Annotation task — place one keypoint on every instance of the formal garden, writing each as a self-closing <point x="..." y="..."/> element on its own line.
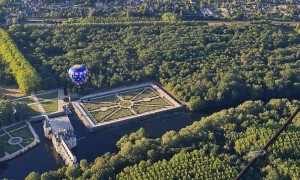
<point x="126" y="103"/>
<point x="15" y="137"/>
<point x="48" y="100"/>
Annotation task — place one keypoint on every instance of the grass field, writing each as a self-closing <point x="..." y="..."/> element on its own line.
<point x="19" y="130"/>
<point x="110" y="98"/>
<point x="21" y="124"/>
<point x="47" y="96"/>
<point x="11" y="148"/>
<point x="50" y="106"/>
<point x="146" y="94"/>
<point x="4" y="138"/>
<point x="158" y="101"/>
<point x="94" y="106"/>
<point x="130" y="94"/>
<point x="121" y="113"/>
<point x="34" y="110"/>
<point x="26" y="100"/>
<point x="25" y="133"/>
<point x="100" y="115"/>
<point x="142" y="109"/>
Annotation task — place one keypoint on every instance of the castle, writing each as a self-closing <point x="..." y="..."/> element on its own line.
<point x="61" y="132"/>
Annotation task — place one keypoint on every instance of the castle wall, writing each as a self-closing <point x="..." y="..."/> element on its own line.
<point x="57" y="136"/>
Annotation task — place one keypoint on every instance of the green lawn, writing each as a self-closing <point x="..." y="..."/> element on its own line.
<point x="15" y="126"/>
<point x="121" y="113"/>
<point x="2" y="132"/>
<point x="34" y="110"/>
<point x="4" y="138"/>
<point x="146" y="94"/>
<point x="158" y="101"/>
<point x="51" y="95"/>
<point x="130" y="94"/>
<point x="109" y="98"/>
<point x="100" y="115"/>
<point x="24" y="133"/>
<point x="26" y="100"/>
<point x="50" y="106"/>
<point x="26" y="142"/>
<point x="94" y="106"/>
<point x="143" y="109"/>
<point x="91" y="106"/>
<point x="11" y="148"/>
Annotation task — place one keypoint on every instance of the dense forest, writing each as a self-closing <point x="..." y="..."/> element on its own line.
<point x="24" y="74"/>
<point x="215" y="147"/>
<point x="207" y="66"/>
<point x="6" y="76"/>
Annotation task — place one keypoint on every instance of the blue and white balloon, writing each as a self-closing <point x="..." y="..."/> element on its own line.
<point x="78" y="73"/>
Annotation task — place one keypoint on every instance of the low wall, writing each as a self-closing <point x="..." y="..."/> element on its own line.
<point x="21" y="151"/>
<point x="42" y="117"/>
<point x="168" y="93"/>
<point x="92" y="124"/>
<point x="81" y="114"/>
<point x="93" y="127"/>
<point x="56" y="114"/>
<point x="36" y="118"/>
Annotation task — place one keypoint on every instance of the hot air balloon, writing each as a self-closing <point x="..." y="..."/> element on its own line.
<point x="78" y="73"/>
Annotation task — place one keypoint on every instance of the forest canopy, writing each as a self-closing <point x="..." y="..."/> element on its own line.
<point x="215" y="147"/>
<point x="25" y="75"/>
<point x="210" y="65"/>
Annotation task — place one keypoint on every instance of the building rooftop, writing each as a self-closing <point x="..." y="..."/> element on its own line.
<point x="60" y="123"/>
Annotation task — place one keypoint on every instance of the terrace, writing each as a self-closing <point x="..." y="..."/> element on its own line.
<point x="122" y="104"/>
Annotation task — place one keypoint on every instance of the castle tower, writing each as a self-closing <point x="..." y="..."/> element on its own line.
<point x="47" y="128"/>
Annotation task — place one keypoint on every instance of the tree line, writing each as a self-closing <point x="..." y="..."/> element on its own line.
<point x="6" y="76"/>
<point x="215" y="147"/>
<point x="26" y="76"/>
<point x="207" y="66"/>
<point x="12" y="111"/>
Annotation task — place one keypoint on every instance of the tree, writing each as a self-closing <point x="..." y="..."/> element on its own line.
<point x="84" y="165"/>
<point x="6" y="112"/>
<point x="196" y="103"/>
<point x="2" y="2"/>
<point x="25" y="75"/>
<point x="73" y="172"/>
<point x="33" y="176"/>
<point x="169" y="17"/>
<point x="22" y="112"/>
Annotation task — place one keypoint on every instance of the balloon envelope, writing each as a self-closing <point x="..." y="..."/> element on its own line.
<point x="78" y="73"/>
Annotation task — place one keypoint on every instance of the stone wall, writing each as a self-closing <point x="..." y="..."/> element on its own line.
<point x="63" y="150"/>
<point x="91" y="123"/>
